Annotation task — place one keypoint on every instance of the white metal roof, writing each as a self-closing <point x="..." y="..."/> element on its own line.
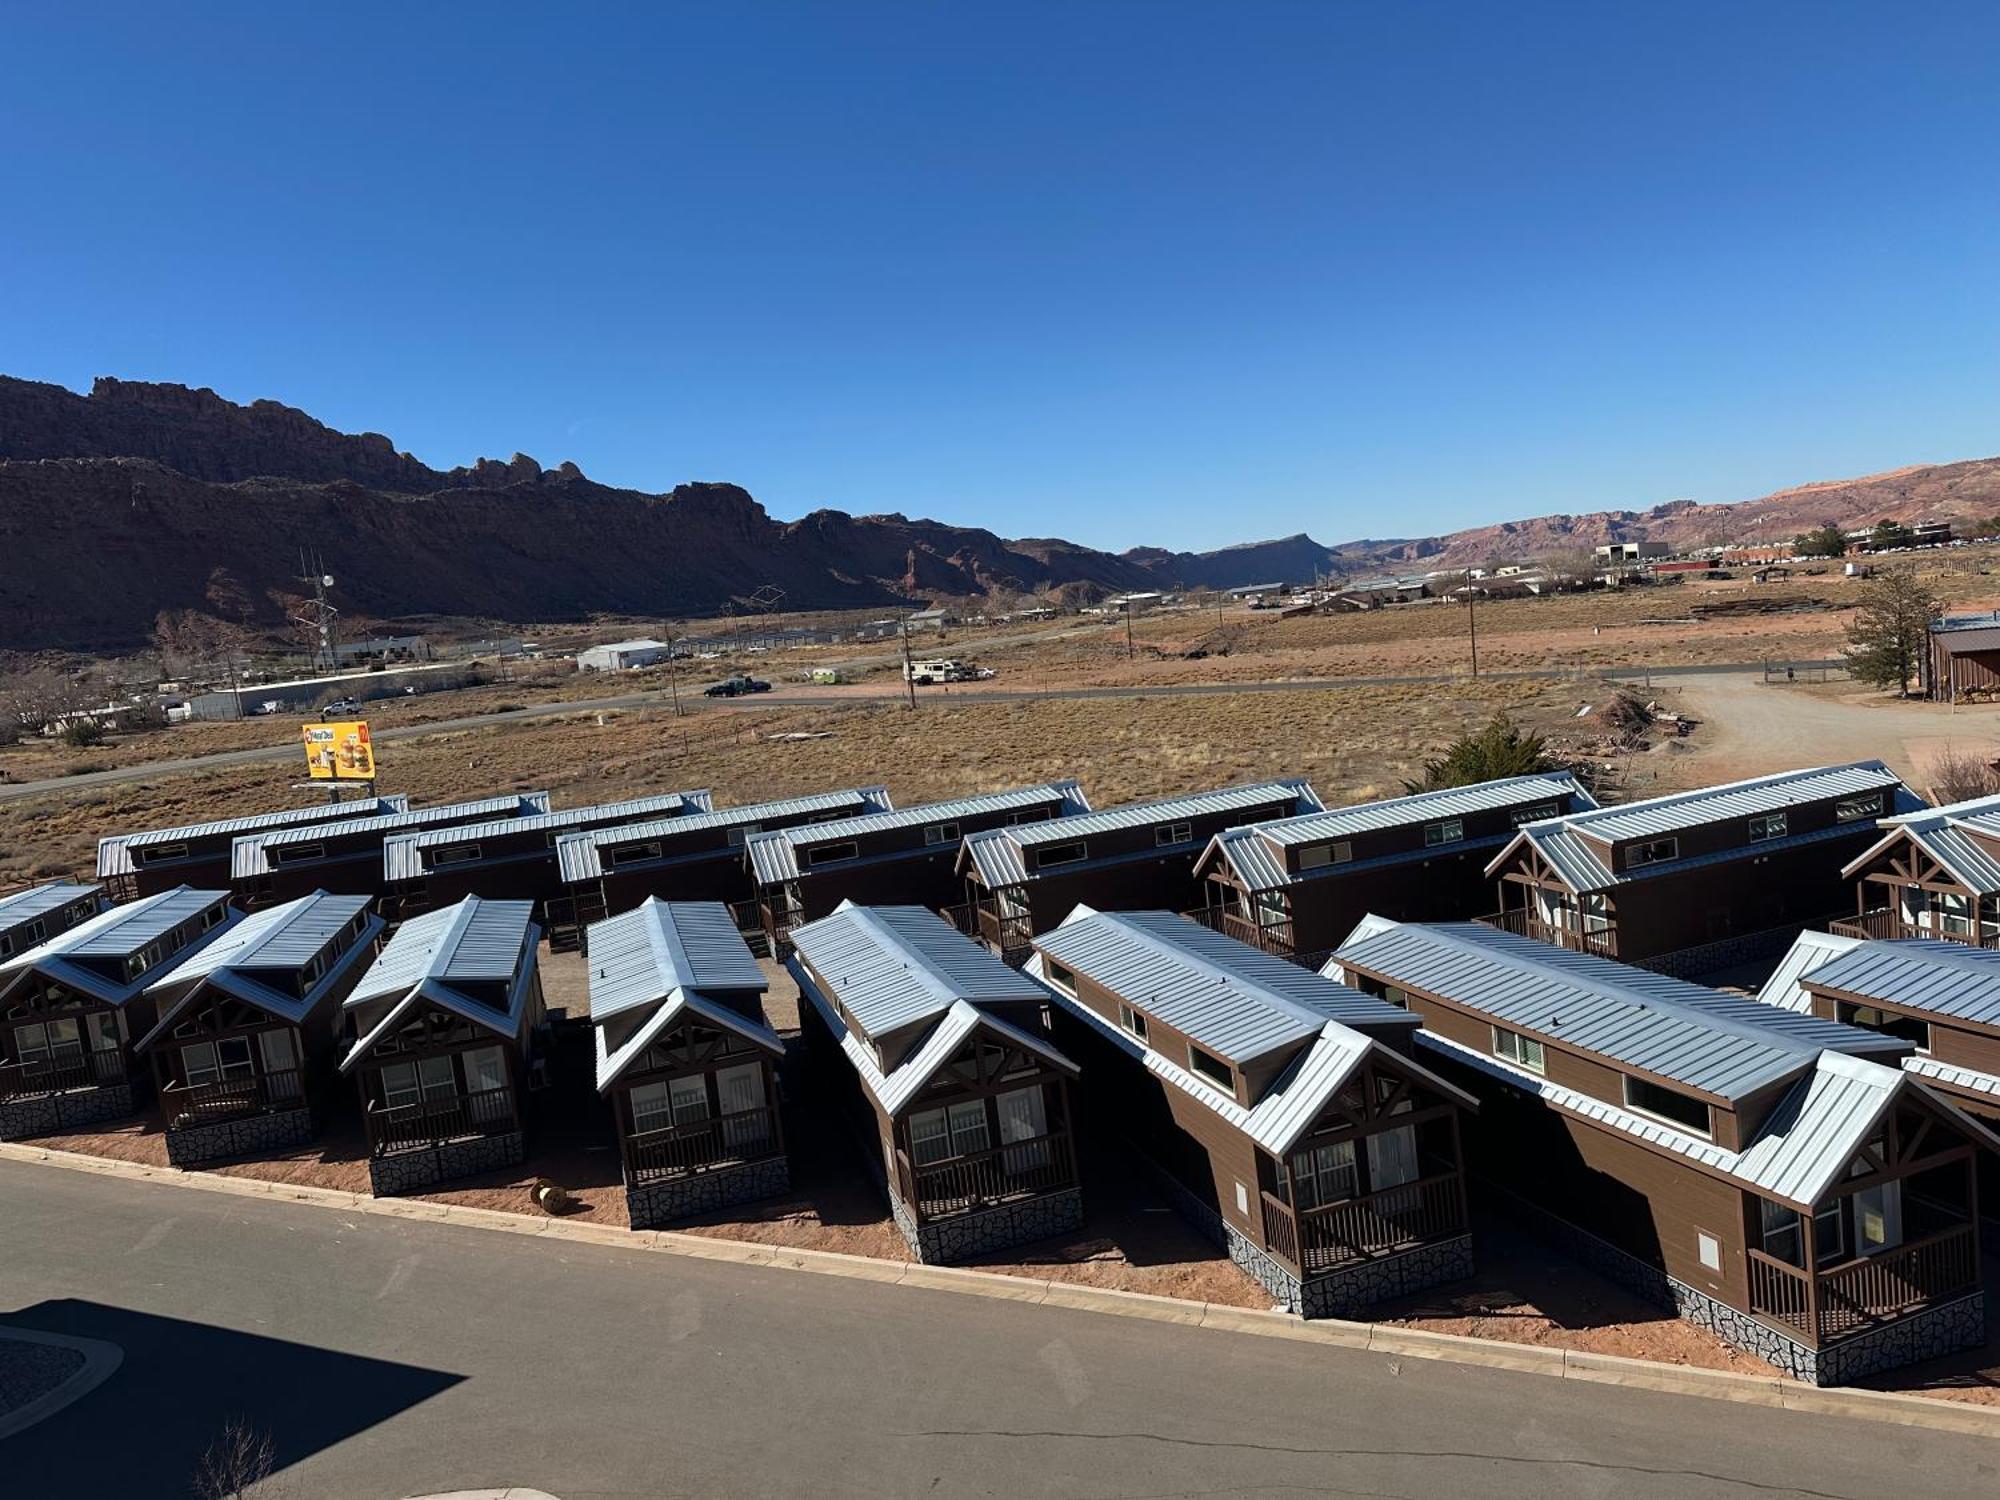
<point x="774" y="856"/>
<point x="1808" y="951"/>
<point x="1933" y="975"/>
<point x="1228" y="997"/>
<point x="403" y="853"/>
<point x="114" y="854"/>
<point x="118" y="932"/>
<point x="1952" y="1074"/>
<point x="580" y="856"/>
<point x="432" y="956"/>
<point x="892" y="966"/>
<point x="1736" y="799"/>
<point x="640" y="957"/>
<point x="1722" y="1045"/>
<point x="248" y="854"/>
<point x="1946" y="835"/>
<point x="681" y="1005"/>
<point x="23" y="907"/>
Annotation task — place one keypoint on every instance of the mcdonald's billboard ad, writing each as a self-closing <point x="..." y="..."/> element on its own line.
<point x="339" y="751"/>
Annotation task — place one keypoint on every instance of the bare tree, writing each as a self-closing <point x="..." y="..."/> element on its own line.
<point x="1960" y="775"/>
<point x="236" y="1464"/>
<point x="31" y="700"/>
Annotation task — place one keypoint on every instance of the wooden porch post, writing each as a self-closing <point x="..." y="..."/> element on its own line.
<point x="1809" y="1248"/>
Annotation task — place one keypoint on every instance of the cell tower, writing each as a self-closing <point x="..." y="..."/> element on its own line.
<point x="319" y="617"/>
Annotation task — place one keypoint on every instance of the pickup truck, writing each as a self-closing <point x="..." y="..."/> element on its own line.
<point x="736" y="687"/>
<point x="340" y="708"/>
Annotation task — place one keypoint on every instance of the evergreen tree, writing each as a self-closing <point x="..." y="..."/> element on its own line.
<point x="1500" y="749"/>
<point x="1821" y="541"/>
<point x="1891" y="630"/>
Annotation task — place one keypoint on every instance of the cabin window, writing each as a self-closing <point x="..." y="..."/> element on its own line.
<point x="1211" y="1067"/>
<point x="1171" y="833"/>
<point x="651" y="1108"/>
<point x="832" y="854"/>
<point x="740" y="1091"/>
<point x="280" y="1051"/>
<point x="213" y="1062"/>
<point x="956" y="1130"/>
<point x="1708" y="1250"/>
<point x="1652" y="852"/>
<point x="457" y="854"/>
<point x="1853" y="809"/>
<point x="1392" y="1158"/>
<point x="39" y="1044"/>
<point x="1024" y="1116"/>
<point x="1317" y="856"/>
<point x="1396" y="997"/>
<point x="1908" y="1028"/>
<point x="1671" y="1105"/>
<point x="155" y="854"/>
<point x="941" y="833"/>
<point x="1059" y="976"/>
<point x="1450" y="831"/>
<point x="294" y="854"/>
<point x="1534" y="814"/>
<point x="1783" y="1229"/>
<point x="407" y="1083"/>
<point x="138" y="963"/>
<point x="1769" y="826"/>
<point x="631" y="854"/>
<point x="1132" y="1021"/>
<point x="1324" y="1174"/>
<point x="485" y="1070"/>
<point x="1516" y="1048"/>
<point x="1061" y="854"/>
<point x="1878" y="1218"/>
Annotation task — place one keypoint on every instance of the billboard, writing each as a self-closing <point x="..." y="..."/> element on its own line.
<point x="339" y="751"/>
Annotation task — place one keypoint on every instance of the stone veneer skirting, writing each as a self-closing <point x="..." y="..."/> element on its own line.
<point x="189" y="1145"/>
<point x="45" y="1114"/>
<point x="409" y="1171"/>
<point x="1001" y="1228"/>
<point x="1724" y="953"/>
<point x="653" y="1204"/>
<point x="1943" y="1329"/>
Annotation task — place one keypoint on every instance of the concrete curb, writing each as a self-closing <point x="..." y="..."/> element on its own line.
<point x="100" y="1362"/>
<point x="1405" y="1343"/>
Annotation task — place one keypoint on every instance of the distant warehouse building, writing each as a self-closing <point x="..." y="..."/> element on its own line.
<point x="622" y="656"/>
<point x="1631" y="552"/>
<point x="309" y="692"/>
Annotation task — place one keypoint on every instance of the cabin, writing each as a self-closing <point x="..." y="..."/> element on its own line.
<point x="1022" y="879"/>
<point x="346" y="857"/>
<point x="1697" y="881"/>
<point x="242" y="1050"/>
<point x="71" y="1007"/>
<point x="442" y="1038"/>
<point x="939" y="1056"/>
<point x="1296" y="886"/>
<point x="30" y="917"/>
<point x="1932" y="874"/>
<point x="1285" y="1115"/>
<point x="198" y="854"/>
<point x="1961" y="662"/>
<point x="905" y="857"/>
<point x="694" y="857"/>
<point x="1775" y="1178"/>
<point x="687" y="1060"/>
<point x="512" y="858"/>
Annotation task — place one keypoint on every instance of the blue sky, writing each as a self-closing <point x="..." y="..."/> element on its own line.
<point x="1171" y="274"/>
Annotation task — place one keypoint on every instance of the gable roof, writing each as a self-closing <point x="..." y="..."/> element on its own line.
<point x="1784" y="988"/>
<point x="894" y="966"/>
<point x="248" y="854"/>
<point x="402" y="853"/>
<point x="19" y="908"/>
<point x="114" y="853"/>
<point x="1946" y="835"/>
<point x="644" y="955"/>
<point x="997" y="853"/>
<point x="1576" y="844"/>
<point x="774" y="856"/>
<point x="474" y="941"/>
<point x="1936" y="976"/>
<point x="579" y="856"/>
<point x="1227" y="997"/>
<point x="681" y="1005"/>
<point x="117" y="932"/>
<point x="1721" y="1045"/>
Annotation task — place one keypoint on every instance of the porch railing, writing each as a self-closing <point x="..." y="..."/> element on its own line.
<point x="188" y="1104"/>
<point x="57" y="1075"/>
<point x="1524" y="923"/>
<point x="433" y="1122"/>
<point x="1019" y="1169"/>
<point x="1005" y="934"/>
<point x="1887" y="922"/>
<point x="1873" y="1289"/>
<point x="1355" y="1229"/>
<point x="680" y="1150"/>
<point x="1272" y="937"/>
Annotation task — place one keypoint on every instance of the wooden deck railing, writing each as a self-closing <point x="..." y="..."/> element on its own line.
<point x="681" y="1150"/>
<point x="1274" y="937"/>
<point x="1006" y="935"/>
<point x="1873" y="1289"/>
<point x="432" y="1122"/>
<point x="187" y="1104"/>
<point x="1357" y="1229"/>
<point x="56" y="1075"/>
<point x="1524" y="923"/>
<point x="1887" y="922"/>
<point x="1020" y="1169"/>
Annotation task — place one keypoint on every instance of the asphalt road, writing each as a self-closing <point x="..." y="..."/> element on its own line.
<point x="658" y="699"/>
<point x="391" y="1357"/>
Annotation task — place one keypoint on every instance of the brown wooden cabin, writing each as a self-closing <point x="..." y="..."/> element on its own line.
<point x="687" y="1060"/>
<point x="940" y="1055"/>
<point x="696" y="857"/>
<point x="907" y="857"/>
<point x="1962" y="662"/>
<point x="71" y="1006"/>
<point x="444" y="1039"/>
<point x="1296" y="886"/>
<point x="198" y="854"/>
<point x="1286" y="1115"/>
<point x="243" y="1048"/>
<point x="31" y="916"/>
<point x="512" y="858"/>
<point x="1697" y="881"/>
<point x="345" y="857"/>
<point x="1022" y="879"/>
<point x="1777" y="1178"/>
<point x="1931" y="874"/>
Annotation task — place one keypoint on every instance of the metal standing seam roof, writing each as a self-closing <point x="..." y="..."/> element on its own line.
<point x="114" y="854"/>
<point x="1965" y="638"/>
<point x="1933" y="975"/>
<point x="473" y="941"/>
<point x="774" y="855"/>
<point x="642" y="956"/>
<point x="1945" y="834"/>
<point x="402" y="853"/>
<point x="1785" y="988"/>
<point x="579" y="856"/>
<point x="894" y="966"/>
<point x="997" y="853"/>
<point x="1227" y="997"/>
<point x="1721" y="1045"/>
<point x="681" y="1004"/>
<point x="117" y="932"/>
<point x="283" y="938"/>
<point x="247" y="853"/>
<point x="1954" y="1076"/>
<point x="23" y="907"/>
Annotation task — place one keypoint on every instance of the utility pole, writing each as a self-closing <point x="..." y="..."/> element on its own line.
<point x="1472" y="622"/>
<point x="909" y="676"/>
<point x="1128" y="629"/>
<point x="673" y="668"/>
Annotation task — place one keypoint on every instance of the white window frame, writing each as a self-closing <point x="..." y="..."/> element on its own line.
<point x="1523" y="1051"/>
<point x="1660" y="851"/>
<point x="1227" y="1082"/>
<point x="1330" y="1175"/>
<point x="1448" y="831"/>
<point x="832" y="854"/>
<point x="1132" y="1021"/>
<point x="1540" y="812"/>
<point x="1705" y="1132"/>
<point x="1166" y="834"/>
<point x="1854" y="809"/>
<point x="1767" y="826"/>
<point x="1049" y="856"/>
<point x="940" y="833"/>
